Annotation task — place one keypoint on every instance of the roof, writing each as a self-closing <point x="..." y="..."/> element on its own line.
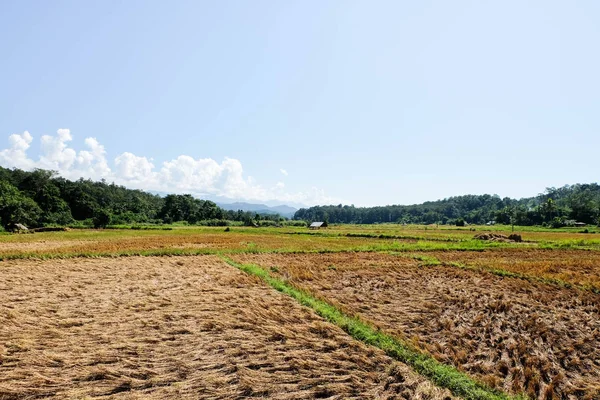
<point x="316" y="224"/>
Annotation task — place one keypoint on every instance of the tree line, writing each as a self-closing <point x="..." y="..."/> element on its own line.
<point x="41" y="198"/>
<point x="555" y="207"/>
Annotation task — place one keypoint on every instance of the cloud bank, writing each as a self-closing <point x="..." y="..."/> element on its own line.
<point x="184" y="174"/>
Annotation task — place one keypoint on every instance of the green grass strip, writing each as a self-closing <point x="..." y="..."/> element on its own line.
<point x="441" y="374"/>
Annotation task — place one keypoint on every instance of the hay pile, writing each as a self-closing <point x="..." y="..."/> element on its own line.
<point x="498" y="237"/>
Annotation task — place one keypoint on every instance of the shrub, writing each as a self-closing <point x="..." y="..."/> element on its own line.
<point x="294" y="223"/>
<point x="557" y="222"/>
<point x="102" y="218"/>
<point x="218" y="222"/>
<point x="268" y="223"/>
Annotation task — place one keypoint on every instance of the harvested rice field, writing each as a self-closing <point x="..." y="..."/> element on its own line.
<point x="369" y="312"/>
<point x="575" y="267"/>
<point x="177" y="327"/>
<point x="517" y="336"/>
<point x="202" y="241"/>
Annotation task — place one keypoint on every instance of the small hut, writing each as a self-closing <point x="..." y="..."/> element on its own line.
<point x="318" y="225"/>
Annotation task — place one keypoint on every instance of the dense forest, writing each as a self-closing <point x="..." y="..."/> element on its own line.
<point x="40" y="198"/>
<point x="555" y="207"/>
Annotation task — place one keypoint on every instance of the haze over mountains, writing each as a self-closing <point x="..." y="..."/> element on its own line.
<point x="269" y="208"/>
<point x="283" y="210"/>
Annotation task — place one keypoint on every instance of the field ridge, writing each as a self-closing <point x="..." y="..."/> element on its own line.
<point x="441" y="374"/>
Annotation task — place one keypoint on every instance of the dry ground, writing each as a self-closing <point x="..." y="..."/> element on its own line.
<point x="169" y="327"/>
<point x="513" y="334"/>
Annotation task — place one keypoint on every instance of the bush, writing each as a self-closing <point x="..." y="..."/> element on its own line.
<point x="218" y="222"/>
<point x="150" y="228"/>
<point x="82" y="224"/>
<point x="294" y="223"/>
<point x="180" y="223"/>
<point x="268" y="223"/>
<point x="101" y="218"/>
<point x="557" y="222"/>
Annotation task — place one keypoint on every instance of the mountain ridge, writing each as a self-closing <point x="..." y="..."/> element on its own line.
<point x="283" y="210"/>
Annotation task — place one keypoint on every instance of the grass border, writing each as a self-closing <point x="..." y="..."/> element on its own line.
<point x="441" y="374"/>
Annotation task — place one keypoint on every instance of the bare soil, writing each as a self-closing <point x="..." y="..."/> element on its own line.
<point x="176" y="327"/>
<point x="513" y="334"/>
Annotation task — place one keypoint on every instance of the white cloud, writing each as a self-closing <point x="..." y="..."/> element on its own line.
<point x="55" y="155"/>
<point x="134" y="168"/>
<point x="16" y="155"/>
<point x="184" y="174"/>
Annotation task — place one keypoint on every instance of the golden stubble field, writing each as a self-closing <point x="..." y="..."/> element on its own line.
<point x="575" y="267"/>
<point x="515" y="335"/>
<point x="203" y="241"/>
<point x="76" y="325"/>
<point x="176" y="327"/>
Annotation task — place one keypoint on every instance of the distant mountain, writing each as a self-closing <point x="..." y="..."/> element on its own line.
<point x="283" y="210"/>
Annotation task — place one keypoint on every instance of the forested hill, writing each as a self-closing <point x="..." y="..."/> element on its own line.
<point x="39" y="198"/>
<point x="554" y="207"/>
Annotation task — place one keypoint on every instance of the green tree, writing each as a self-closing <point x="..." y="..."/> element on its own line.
<point x="548" y="210"/>
<point x="102" y="218"/>
<point x="15" y="208"/>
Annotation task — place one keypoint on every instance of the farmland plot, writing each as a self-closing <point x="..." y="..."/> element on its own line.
<point x="214" y="240"/>
<point x="515" y="335"/>
<point x="575" y="267"/>
<point x="176" y="327"/>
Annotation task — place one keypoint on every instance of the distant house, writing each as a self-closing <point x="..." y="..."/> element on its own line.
<point x="318" y="225"/>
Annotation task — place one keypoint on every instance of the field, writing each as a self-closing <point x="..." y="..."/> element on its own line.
<point x="380" y="311"/>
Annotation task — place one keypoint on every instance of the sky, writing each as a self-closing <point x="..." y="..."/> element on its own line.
<point x="304" y="102"/>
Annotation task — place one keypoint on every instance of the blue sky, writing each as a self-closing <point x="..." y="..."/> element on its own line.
<point x="311" y="102"/>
